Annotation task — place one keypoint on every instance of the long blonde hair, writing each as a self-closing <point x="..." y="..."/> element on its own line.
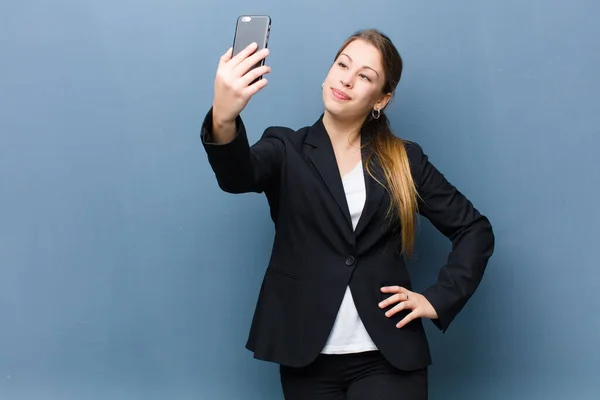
<point x="387" y="148"/>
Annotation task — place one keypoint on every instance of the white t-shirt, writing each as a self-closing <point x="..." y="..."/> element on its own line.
<point x="349" y="334"/>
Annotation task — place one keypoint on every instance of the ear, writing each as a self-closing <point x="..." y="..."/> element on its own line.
<point x="383" y="101"/>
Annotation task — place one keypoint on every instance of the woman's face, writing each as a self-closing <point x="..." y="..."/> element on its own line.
<point x="353" y="86"/>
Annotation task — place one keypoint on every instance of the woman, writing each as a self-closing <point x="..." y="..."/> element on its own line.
<point x="336" y="309"/>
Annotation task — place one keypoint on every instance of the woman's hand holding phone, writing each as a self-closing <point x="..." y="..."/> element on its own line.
<point x="234" y="88"/>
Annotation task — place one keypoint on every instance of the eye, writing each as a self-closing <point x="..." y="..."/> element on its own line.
<point x="365" y="77"/>
<point x="341" y="64"/>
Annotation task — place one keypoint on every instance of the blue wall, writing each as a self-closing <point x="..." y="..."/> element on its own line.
<point x="125" y="273"/>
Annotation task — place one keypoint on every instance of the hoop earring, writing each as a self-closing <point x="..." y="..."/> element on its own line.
<point x="376" y="116"/>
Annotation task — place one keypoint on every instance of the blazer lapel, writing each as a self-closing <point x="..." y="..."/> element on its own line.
<point x="322" y="157"/>
<point x="374" y="190"/>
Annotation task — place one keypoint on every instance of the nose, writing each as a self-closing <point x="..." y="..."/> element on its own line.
<point x="347" y="81"/>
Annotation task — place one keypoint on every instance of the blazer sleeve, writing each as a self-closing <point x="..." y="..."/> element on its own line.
<point x="239" y="167"/>
<point x="469" y="231"/>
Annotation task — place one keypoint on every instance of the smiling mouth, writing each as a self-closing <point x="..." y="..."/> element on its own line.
<point x="340" y="95"/>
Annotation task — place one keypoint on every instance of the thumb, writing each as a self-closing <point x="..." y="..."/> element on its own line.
<point x="226" y="57"/>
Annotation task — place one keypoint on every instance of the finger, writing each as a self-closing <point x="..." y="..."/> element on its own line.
<point x="226" y="57"/>
<point x="255" y="87"/>
<point x="243" y="67"/>
<point x="242" y="55"/>
<point x="399" y="307"/>
<point x="395" y="298"/>
<point x="411" y="316"/>
<point x="394" y="289"/>
<point x="390" y="289"/>
<point x="255" y="73"/>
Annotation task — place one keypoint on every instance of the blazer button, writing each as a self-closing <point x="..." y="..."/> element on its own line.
<point x="350" y="261"/>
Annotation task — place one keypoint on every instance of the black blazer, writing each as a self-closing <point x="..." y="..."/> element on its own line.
<point x="316" y="253"/>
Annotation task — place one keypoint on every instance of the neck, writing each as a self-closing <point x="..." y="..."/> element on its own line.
<point x="342" y="132"/>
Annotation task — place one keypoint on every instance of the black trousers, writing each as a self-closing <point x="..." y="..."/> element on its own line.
<point x="358" y="376"/>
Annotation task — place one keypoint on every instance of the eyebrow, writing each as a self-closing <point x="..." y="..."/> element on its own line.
<point x="364" y="66"/>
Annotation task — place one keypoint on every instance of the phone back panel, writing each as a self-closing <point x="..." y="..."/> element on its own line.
<point x="250" y="29"/>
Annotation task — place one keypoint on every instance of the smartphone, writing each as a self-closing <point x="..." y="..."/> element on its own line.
<point x="252" y="29"/>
